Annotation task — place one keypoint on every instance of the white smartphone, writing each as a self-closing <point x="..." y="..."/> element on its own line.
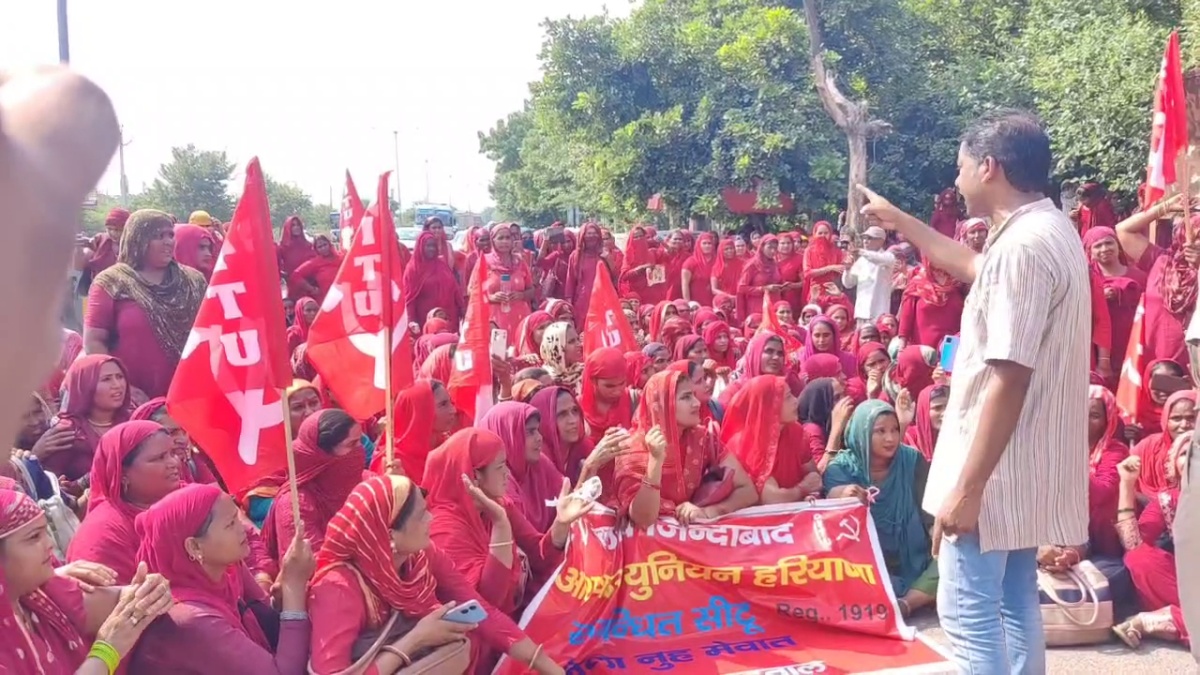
<point x="498" y="347"/>
<point x="471" y="612"/>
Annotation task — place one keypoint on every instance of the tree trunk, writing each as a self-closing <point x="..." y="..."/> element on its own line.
<point x="852" y="117"/>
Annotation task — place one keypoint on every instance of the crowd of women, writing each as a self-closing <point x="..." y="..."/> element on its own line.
<point x="722" y="408"/>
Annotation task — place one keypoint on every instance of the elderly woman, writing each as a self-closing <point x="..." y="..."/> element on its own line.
<point x="141" y="309"/>
<point x="876" y="457"/>
<point x="380" y="583"/>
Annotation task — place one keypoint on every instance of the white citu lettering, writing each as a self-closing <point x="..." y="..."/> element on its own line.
<point x="367" y="228"/>
<point x="242" y="348"/>
<point x="257" y="417"/>
<point x="226" y="249"/>
<point x="368" y="263"/>
<point x="368" y="302"/>
<point x="227" y="295"/>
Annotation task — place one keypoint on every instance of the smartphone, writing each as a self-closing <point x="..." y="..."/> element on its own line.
<point x="471" y="612"/>
<point x="949" y="351"/>
<point x="1169" y="384"/>
<point x="498" y="347"/>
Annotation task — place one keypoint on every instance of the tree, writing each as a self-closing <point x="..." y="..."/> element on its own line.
<point x="286" y="200"/>
<point x="193" y="180"/>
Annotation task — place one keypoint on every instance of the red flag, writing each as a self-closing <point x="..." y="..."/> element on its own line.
<point x="352" y="213"/>
<point x="770" y="324"/>
<point x="346" y="340"/>
<point x="606" y="324"/>
<point x="1168" y="131"/>
<point x="1129" y="386"/>
<point x="226" y="390"/>
<point x="471" y="382"/>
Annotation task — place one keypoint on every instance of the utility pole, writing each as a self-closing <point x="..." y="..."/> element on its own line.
<point x="396" y="146"/>
<point x="64" y="41"/>
<point x="427" y="181"/>
<point x="121" y="161"/>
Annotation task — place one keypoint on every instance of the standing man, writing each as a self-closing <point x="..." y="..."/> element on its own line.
<point x="871" y="275"/>
<point x="1010" y="470"/>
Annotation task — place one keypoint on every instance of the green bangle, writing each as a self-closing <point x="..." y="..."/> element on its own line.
<point x="107" y="654"/>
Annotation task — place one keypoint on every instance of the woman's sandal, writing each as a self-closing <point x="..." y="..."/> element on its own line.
<point x="905" y="610"/>
<point x="1129" y="634"/>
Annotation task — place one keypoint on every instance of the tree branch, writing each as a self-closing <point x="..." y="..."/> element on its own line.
<point x="831" y="97"/>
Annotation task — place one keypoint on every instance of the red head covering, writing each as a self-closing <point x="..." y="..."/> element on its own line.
<point x="56" y="644"/>
<point x="754" y="433"/>
<point x="188" y="239"/>
<point x="685" y="345"/>
<point x="945" y="212"/>
<point x="1178" y="281"/>
<point x="607" y="363"/>
<point x="658" y="318"/>
<point x="726" y="304"/>
<point x="439" y="365"/>
<point x="530" y="325"/>
<point x="932" y="284"/>
<point x="821" y="365"/>
<point x="1111" y="413"/>
<point x="294" y="249"/>
<point x="921" y="435"/>
<point x="108" y="534"/>
<point x="1155" y="450"/>
<point x="297" y="333"/>
<point x="567" y="458"/>
<point x="435" y="325"/>
<point x="325" y="478"/>
<point x="558" y="309"/>
<point x="426" y="346"/>
<point x="711" y="332"/>
<point x="971" y="225"/>
<point x="530" y="484"/>
<point x="849" y="363"/>
<point x="82" y="379"/>
<point x="458" y="528"/>
<point x="821" y="251"/>
<point x="912" y="370"/>
<point x="1098" y="234"/>
<point x="637" y="251"/>
<point x="688" y="452"/>
<point x="674" y="329"/>
<point x="429" y="275"/>
<point x="147" y="411"/>
<point x="1149" y="412"/>
<point x="702" y="264"/>
<point x="635" y="367"/>
<point x="359" y="537"/>
<point x="163" y="530"/>
<point x="116" y="218"/>
<point x="727" y="271"/>
<point x="414" y="415"/>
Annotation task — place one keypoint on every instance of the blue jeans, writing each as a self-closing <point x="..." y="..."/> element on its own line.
<point x="988" y="605"/>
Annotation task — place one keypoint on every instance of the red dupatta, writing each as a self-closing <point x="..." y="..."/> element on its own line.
<point x="932" y="285"/>
<point x="921" y="435"/>
<point x="1155" y="450"/>
<point x="413" y="419"/>
<point x="713" y="331"/>
<point x="567" y="457"/>
<point x="359" y="537"/>
<point x="55" y="645"/>
<point x="754" y="433"/>
<point x="297" y="333"/>
<point x="727" y="271"/>
<point x="607" y="363"/>
<point x="163" y="530"/>
<point x="530" y="325"/>
<point x="294" y="250"/>
<point x="531" y="481"/>
<point x="689" y="451"/>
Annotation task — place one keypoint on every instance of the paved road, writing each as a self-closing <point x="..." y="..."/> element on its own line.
<point x="1113" y="657"/>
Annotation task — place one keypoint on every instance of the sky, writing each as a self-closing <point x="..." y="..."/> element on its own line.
<point x="310" y="88"/>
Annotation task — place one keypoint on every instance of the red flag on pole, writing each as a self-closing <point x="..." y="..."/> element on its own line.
<point x="225" y="392"/>
<point x="471" y="382"/>
<point x="1168" y="131"/>
<point x="1129" y="386"/>
<point x="352" y="213"/>
<point x="346" y="340"/>
<point x="606" y="324"/>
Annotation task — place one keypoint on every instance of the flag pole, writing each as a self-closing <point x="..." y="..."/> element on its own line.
<point x="291" y="459"/>
<point x="389" y="315"/>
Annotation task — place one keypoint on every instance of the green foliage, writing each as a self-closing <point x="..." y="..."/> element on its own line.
<point x="684" y="97"/>
<point x="193" y="180"/>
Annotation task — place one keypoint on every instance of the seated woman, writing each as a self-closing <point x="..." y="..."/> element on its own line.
<point x="922" y="434"/>
<point x="604" y="395"/>
<point x="315" y="275"/>
<point x="532" y="478"/>
<point x="876" y="457"/>
<point x="97" y="397"/>
<point x="379" y="576"/>
<point x="1152" y="397"/>
<point x="691" y="348"/>
<point x="47" y="620"/>
<point x="424" y="417"/>
<point x="193" y="468"/>
<point x="492" y="544"/>
<point x="565" y="444"/>
<point x="711" y="412"/>
<point x="329" y="463"/>
<point x="912" y="370"/>
<point x="304" y="400"/>
<point x="194" y="537"/>
<point x="562" y="354"/>
<point x="873" y="363"/>
<point x="1149" y="542"/>
<point x="762" y="431"/>
<point x="134" y="468"/>
<point x="825" y="411"/>
<point x="676" y="466"/>
<point x="764" y="355"/>
<point x="1178" y="417"/>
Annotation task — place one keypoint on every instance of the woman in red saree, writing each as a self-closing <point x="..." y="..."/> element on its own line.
<point x="823" y="338"/>
<point x="532" y="477"/>
<point x="762" y="430"/>
<point x="134" y="468"/>
<point x="823" y="264"/>
<point x="760" y="276"/>
<point x="1095" y="208"/>
<point x="638" y="261"/>
<point x="604" y="395"/>
<point x="1123" y="285"/>
<point x="873" y="364"/>
<point x="1178" y="418"/>
<point x="581" y="271"/>
<point x="378" y="562"/>
<point x="931" y="308"/>
<point x="196" y="247"/>
<point x="424" y="350"/>
<point x="839" y="314"/>
<point x="47" y="620"/>
<point x="616" y="259"/>
<point x="912" y="370"/>
<point x="638" y="369"/>
<point x="528" y="350"/>
<point x="193" y="537"/>
<point x="294" y="249"/>
<point x="674" y="255"/>
<point x="329" y="463"/>
<point x="765" y="355"/>
<point x="429" y="283"/>
<point x="193" y="467"/>
<point x="677" y="466"/>
<point x="1106" y="452"/>
<point x="791" y="268"/>
<point x="424" y="417"/>
<point x="563" y="437"/>
<point x="509" y="286"/>
<point x="306" y="313"/>
<point x="141" y="310"/>
<point x="727" y="269"/>
<point x="697" y="272"/>
<point x="1151" y="399"/>
<point x="946" y="213"/>
<point x="485" y="534"/>
<point x="691" y="348"/>
<point x="315" y="276"/>
<point x="922" y="434"/>
<point x="97" y="397"/>
<point x="719" y="339"/>
<point x="1149" y="542"/>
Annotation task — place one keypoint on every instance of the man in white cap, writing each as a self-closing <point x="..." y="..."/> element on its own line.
<point x="871" y="275"/>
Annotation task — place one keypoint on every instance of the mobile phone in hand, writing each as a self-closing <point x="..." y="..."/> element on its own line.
<point x="471" y="612"/>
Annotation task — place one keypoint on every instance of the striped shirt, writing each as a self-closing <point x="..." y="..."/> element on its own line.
<point x="1030" y="304"/>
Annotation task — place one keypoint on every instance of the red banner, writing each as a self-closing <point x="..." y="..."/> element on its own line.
<point x="788" y="589"/>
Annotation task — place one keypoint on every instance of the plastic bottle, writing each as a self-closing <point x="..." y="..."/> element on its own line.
<point x="505" y="287"/>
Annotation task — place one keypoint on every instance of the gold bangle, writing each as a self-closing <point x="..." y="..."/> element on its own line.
<point x="536" y="653"/>
<point x="501" y="544"/>
<point x="404" y="658"/>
